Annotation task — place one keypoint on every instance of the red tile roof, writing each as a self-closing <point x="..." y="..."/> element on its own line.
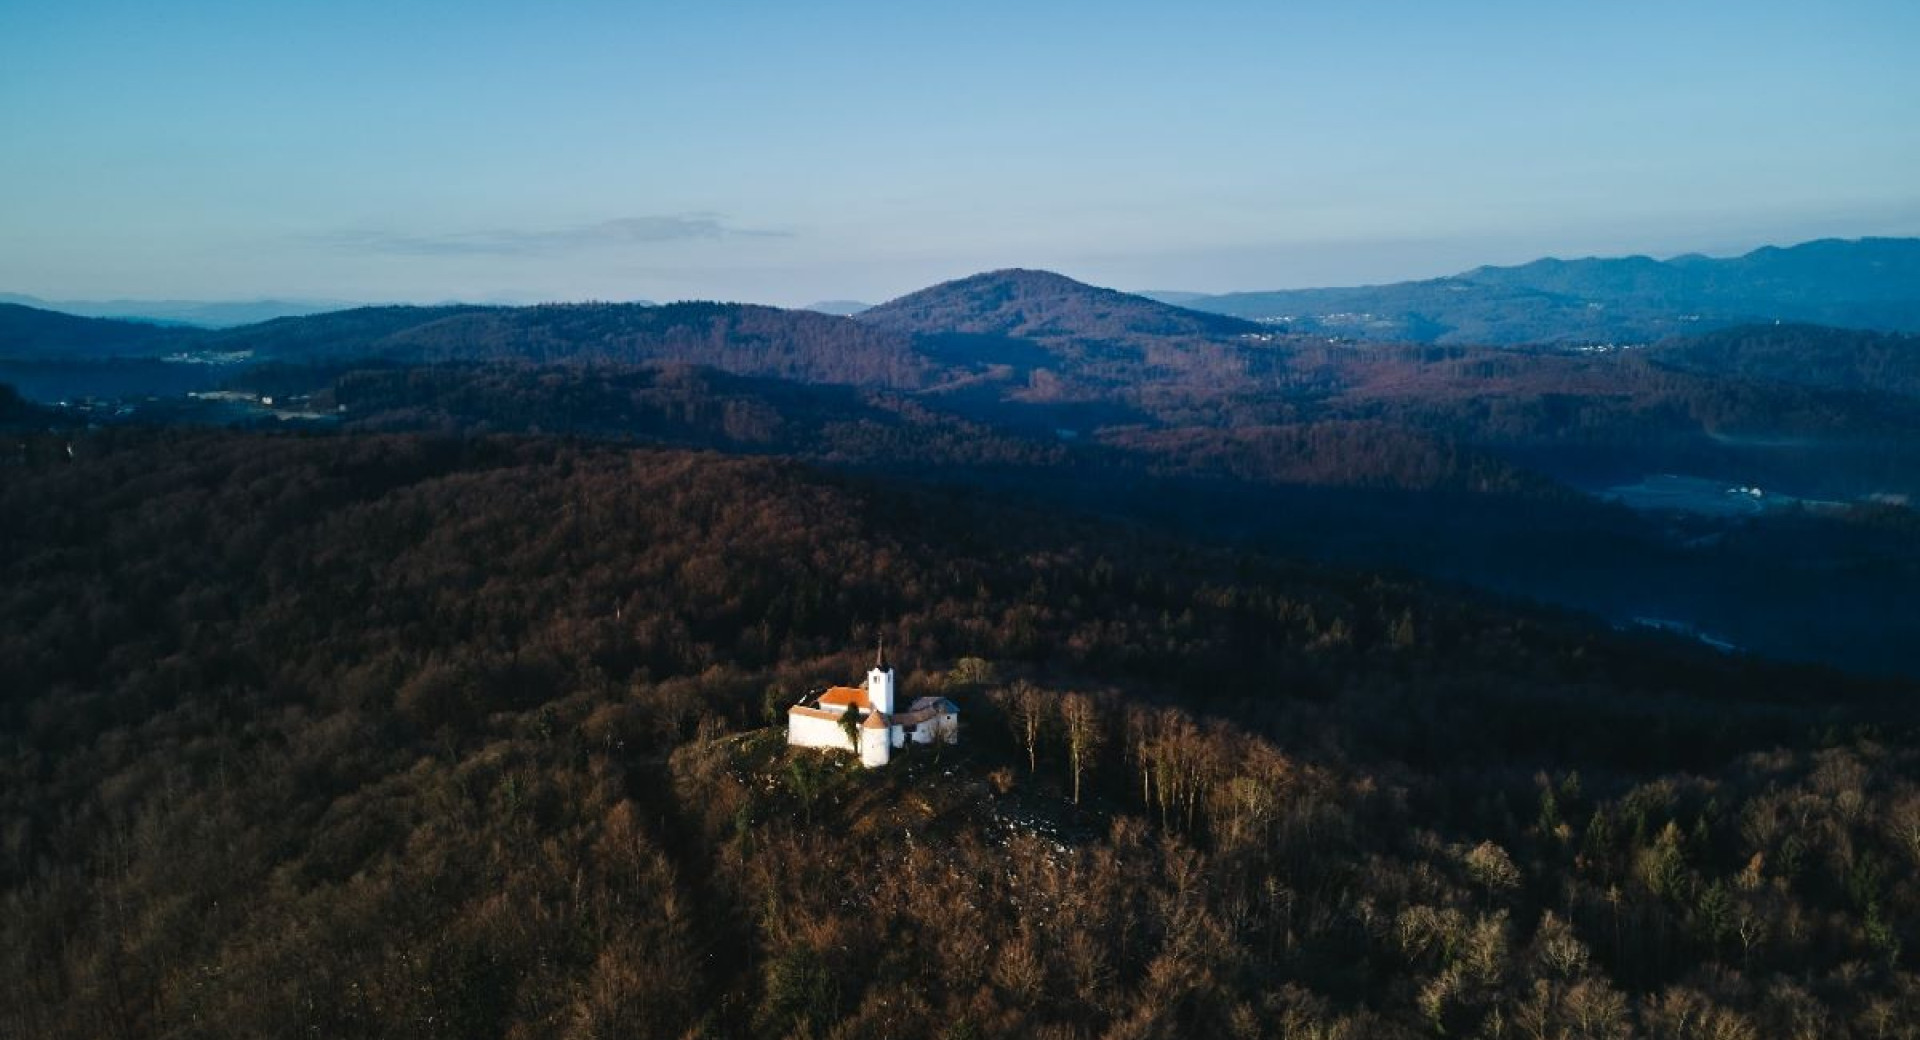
<point x="853" y="695"/>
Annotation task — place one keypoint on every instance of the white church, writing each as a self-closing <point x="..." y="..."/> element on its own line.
<point x="819" y="719"/>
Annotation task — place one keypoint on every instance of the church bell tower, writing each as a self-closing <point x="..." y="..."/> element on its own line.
<point x="880" y="682"/>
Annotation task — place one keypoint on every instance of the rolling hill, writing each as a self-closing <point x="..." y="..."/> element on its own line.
<point x="213" y="314"/>
<point x="1041" y="336"/>
<point x="1043" y="305"/>
<point x="990" y="332"/>
<point x="740" y="338"/>
<point x="39" y="334"/>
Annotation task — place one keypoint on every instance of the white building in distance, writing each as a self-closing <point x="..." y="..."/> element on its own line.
<point x="819" y="720"/>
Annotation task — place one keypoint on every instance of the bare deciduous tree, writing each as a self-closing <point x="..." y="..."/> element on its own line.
<point x="1080" y="719"/>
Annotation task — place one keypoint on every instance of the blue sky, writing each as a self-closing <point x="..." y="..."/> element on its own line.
<point x="789" y="152"/>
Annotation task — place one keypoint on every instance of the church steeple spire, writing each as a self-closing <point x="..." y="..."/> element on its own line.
<point x="880" y="655"/>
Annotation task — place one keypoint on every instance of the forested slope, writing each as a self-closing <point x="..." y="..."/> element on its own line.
<point x="400" y="736"/>
<point x="30" y="332"/>
<point x="1805" y="355"/>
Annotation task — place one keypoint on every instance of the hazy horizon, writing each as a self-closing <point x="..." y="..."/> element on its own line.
<point x="496" y="153"/>
<point x="509" y="298"/>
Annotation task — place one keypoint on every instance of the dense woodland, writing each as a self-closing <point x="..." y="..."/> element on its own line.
<point x="457" y="715"/>
<point x="1460" y="463"/>
<point x="1830" y="585"/>
<point x="1597" y="418"/>
<point x="1808" y="355"/>
<point x="1486" y="466"/>
<point x="395" y="735"/>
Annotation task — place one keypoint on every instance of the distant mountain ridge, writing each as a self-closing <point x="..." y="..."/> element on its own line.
<point x="203" y="313"/>
<point x="843" y="308"/>
<point x="1869" y="283"/>
<point x="208" y="314"/>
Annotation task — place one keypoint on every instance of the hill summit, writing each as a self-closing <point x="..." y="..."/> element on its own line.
<point x="1042" y="305"/>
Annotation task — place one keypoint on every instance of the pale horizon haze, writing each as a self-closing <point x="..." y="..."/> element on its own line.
<point x="791" y="153"/>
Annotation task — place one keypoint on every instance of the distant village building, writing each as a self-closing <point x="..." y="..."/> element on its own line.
<point x="819" y="720"/>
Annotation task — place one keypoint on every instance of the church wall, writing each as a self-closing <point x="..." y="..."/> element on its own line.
<point x="805" y="731"/>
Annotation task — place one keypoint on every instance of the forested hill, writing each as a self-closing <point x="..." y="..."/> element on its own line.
<point x="353" y="736"/>
<point x="752" y="340"/>
<point x="33" y="333"/>
<point x="1058" y="339"/>
<point x="1804" y="355"/>
<point x="202" y="313"/>
<point x="1871" y="283"/>
<point x="1043" y="305"/>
